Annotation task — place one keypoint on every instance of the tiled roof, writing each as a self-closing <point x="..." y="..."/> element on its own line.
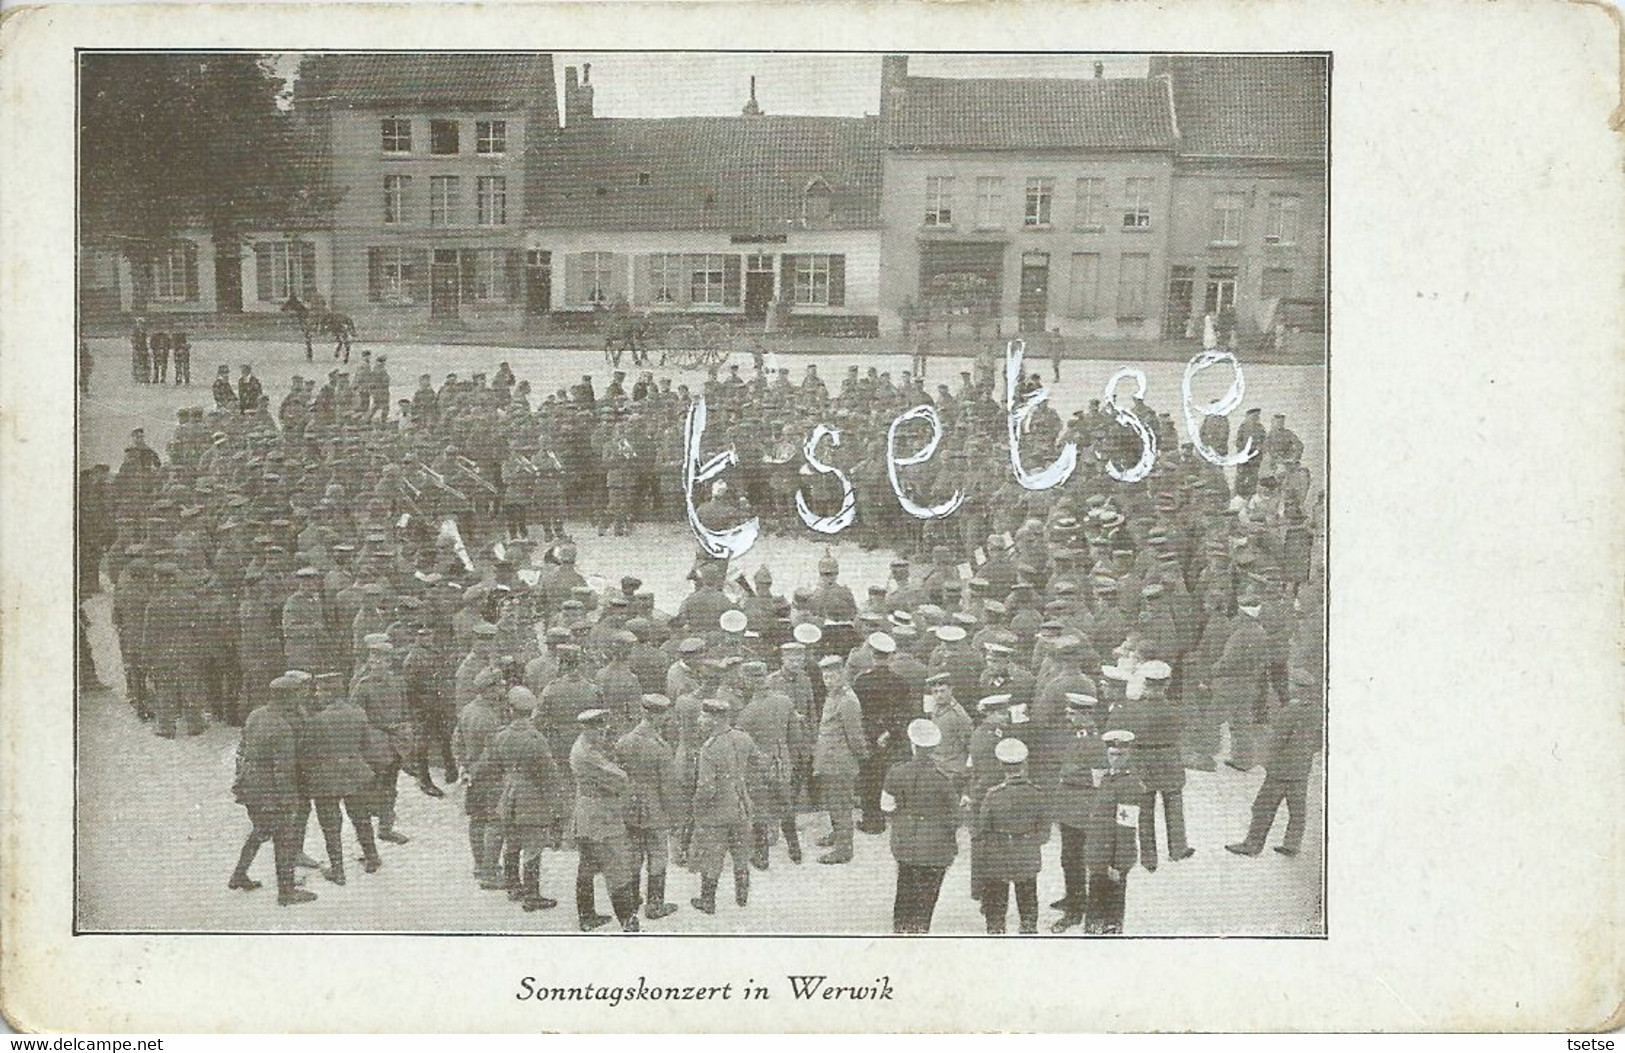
<point x="1119" y="113"/>
<point x="503" y="80"/>
<point x="658" y="174"/>
<point x="1250" y="106"/>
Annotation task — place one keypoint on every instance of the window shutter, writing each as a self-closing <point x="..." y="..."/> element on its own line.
<point x="730" y="281"/>
<point x="467" y="277"/>
<point x="375" y="275"/>
<point x="191" y="271"/>
<point x="787" y="278"/>
<point x="417" y="279"/>
<point x="572" y="279"/>
<point x="837" y="281"/>
<point x="516" y="274"/>
<point x="307" y="267"/>
<point x="262" y="272"/>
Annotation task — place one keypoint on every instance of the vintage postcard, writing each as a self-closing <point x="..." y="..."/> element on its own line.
<point x="703" y="518"/>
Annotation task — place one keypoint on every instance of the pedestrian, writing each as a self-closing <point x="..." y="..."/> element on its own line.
<point x="249" y="391"/>
<point x="838" y="753"/>
<point x="1150" y="714"/>
<point x="140" y="360"/>
<point x="921" y="796"/>
<point x="267" y="785"/>
<point x="225" y="396"/>
<point x="1057" y="349"/>
<point x="160" y="357"/>
<point x="721" y="809"/>
<point x="380" y="691"/>
<point x="1072" y="804"/>
<point x="598" y="826"/>
<point x="534" y="803"/>
<point x="649" y="759"/>
<point x="337" y="775"/>
<point x="1110" y="843"/>
<point x="477" y="727"/>
<point x="1297" y="730"/>
<point x="182" y="350"/>
<point x="1007" y="834"/>
<point x="767" y="718"/>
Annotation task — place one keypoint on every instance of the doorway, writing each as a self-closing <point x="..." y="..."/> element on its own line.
<point x="1181" y="294"/>
<point x="443" y="284"/>
<point x="1033" y="310"/>
<point x="758" y="285"/>
<point x="1220" y="298"/>
<point x="538" y="282"/>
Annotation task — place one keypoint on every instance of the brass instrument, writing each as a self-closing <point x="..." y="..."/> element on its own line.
<point x="440" y="481"/>
<point x="474" y="470"/>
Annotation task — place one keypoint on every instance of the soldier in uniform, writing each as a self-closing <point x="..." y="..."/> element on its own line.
<point x="951" y="719"/>
<point x="267" y="785"/>
<point x="650" y="762"/>
<point x="477" y="727"/>
<point x="887" y="708"/>
<point x="534" y="800"/>
<point x="1110" y="841"/>
<point x="1297" y="734"/>
<point x="1007" y="834"/>
<point x="336" y="774"/>
<point x="166" y="644"/>
<point x="1149" y="713"/>
<point x="305" y="637"/>
<point x="160" y="357"/>
<point x="1083" y="764"/>
<point x="598" y="825"/>
<point x="923" y="800"/>
<point x="722" y="810"/>
<point x="379" y="690"/>
<point x="767" y="717"/>
<point x="838" y="753"/>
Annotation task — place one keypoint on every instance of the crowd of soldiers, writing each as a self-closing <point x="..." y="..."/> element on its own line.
<point x="358" y="586"/>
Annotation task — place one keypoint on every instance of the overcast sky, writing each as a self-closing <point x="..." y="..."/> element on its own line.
<point x="678" y="83"/>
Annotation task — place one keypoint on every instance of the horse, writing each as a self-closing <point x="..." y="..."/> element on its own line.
<point x="309" y="316"/>
<point x="342" y="329"/>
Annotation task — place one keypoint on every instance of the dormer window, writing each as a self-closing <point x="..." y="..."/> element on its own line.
<point x="817" y="201"/>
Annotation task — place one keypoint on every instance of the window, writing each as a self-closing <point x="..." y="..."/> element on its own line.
<point x="812" y="281"/>
<point x="939" y="201"/>
<point x="174" y="272"/>
<point x="394" y="274"/>
<point x="1137" y="204"/>
<point x="707" y="279"/>
<point x="442" y="201"/>
<point x="817" y="201"/>
<point x="490" y="274"/>
<point x="643" y="179"/>
<point x="1281" y="224"/>
<point x="1276" y="282"/>
<point x="442" y="137"/>
<point x="989" y="202"/>
<point x="493" y="200"/>
<point x="1083" y="300"/>
<point x="396" y="188"/>
<point x="596" y="275"/>
<point x="284" y="268"/>
<point x="490" y="137"/>
<point x="1040" y="196"/>
<point x="1131" y="277"/>
<point x="1091" y="205"/>
<point x="397" y="135"/>
<point x="665" y="277"/>
<point x="1227" y="219"/>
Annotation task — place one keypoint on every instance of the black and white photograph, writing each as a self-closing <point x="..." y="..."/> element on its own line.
<point x="702" y="492"/>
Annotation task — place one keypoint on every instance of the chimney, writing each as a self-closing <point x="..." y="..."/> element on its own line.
<point x="577" y="94"/>
<point x="752" y="109"/>
<point x="1100" y="70"/>
<point x="893" y="85"/>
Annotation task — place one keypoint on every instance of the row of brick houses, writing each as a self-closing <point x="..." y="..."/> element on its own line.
<point x="1123" y="207"/>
